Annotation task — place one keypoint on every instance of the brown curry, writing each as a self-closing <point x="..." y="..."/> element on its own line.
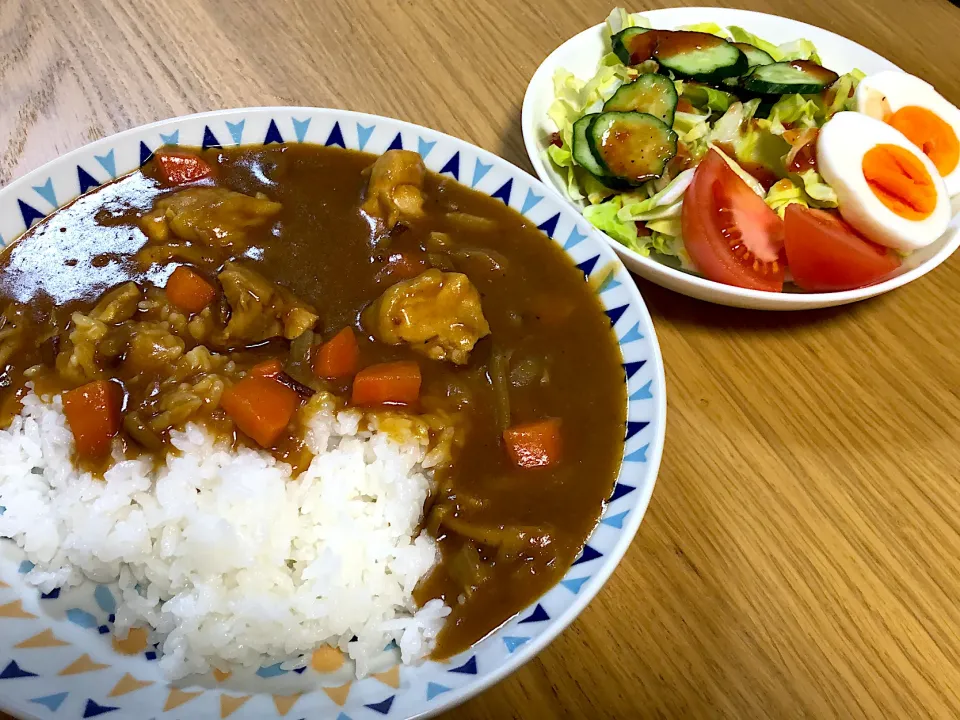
<point x="309" y="269"/>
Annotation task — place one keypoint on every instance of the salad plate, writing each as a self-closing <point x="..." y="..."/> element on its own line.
<point x="581" y="76"/>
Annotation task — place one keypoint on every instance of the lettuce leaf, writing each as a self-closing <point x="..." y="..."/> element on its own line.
<point x="663" y="204"/>
<point x="619" y="19"/>
<point x="709" y="28"/>
<point x="664" y="237"/>
<point x="750" y="143"/>
<point x="840" y="95"/>
<point x="785" y="192"/>
<point x="799" y="111"/>
<point x="573" y="98"/>
<point x="821" y="195"/>
<point x="595" y="190"/>
<point x="795" y="50"/>
<point x="740" y="35"/>
<point x="798" y="50"/>
<point x="672" y="245"/>
<point x="604" y="217"/>
<point x="666" y="226"/>
<point x="705" y="97"/>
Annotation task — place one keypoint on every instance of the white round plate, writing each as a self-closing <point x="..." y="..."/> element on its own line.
<point x="580" y="55"/>
<point x="56" y="659"/>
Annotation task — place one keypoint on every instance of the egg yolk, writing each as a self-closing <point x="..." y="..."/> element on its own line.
<point x="900" y="181"/>
<point x="929" y="132"/>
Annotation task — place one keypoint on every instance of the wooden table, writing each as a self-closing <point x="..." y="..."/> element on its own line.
<point x="801" y="555"/>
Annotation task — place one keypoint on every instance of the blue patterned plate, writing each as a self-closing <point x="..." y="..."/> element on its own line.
<point x="56" y="656"/>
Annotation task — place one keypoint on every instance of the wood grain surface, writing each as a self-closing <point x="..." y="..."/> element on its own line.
<point x="801" y="556"/>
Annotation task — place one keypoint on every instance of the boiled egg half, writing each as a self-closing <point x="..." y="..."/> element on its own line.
<point x="886" y="187"/>
<point x="915" y="108"/>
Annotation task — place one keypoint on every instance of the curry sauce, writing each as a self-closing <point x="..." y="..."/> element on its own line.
<point x="297" y="244"/>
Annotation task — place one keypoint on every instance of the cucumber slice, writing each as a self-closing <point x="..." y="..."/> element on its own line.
<point x="698" y="55"/>
<point x="582" y="153"/>
<point x="755" y="56"/>
<point x="653" y="94"/>
<point x="784" y="78"/>
<point x="632" y="146"/>
<point x="628" y="43"/>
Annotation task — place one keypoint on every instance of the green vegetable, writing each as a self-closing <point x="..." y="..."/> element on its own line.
<point x="619" y="19"/>
<point x="632" y="146"/>
<point x="798" y="111"/>
<point x="797" y="76"/>
<point x="706" y="97"/>
<point x="708" y="27"/>
<point x="710" y="58"/>
<point x="667" y="226"/>
<point x="604" y="217"/>
<point x="665" y="202"/>
<point x="797" y="50"/>
<point x="649" y="93"/>
<point x="785" y="192"/>
<point x="741" y="35"/>
<point x="750" y="142"/>
<point x="574" y="98"/>
<point x="843" y="90"/>
<point x="582" y="151"/>
<point x="755" y="56"/>
<point x="821" y="195"/>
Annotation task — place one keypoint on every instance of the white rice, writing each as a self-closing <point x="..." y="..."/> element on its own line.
<point x="202" y="547"/>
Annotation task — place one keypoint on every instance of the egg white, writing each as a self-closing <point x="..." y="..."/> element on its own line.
<point x="890" y="90"/>
<point x="841" y="145"/>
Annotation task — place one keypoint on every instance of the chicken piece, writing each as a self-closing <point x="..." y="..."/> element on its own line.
<point x="210" y="215"/>
<point x="395" y="189"/>
<point x="260" y="309"/>
<point x="437" y="313"/>
<point x="118" y="305"/>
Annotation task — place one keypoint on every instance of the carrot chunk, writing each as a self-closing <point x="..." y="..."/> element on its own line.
<point x="268" y="369"/>
<point x="178" y="168"/>
<point x="261" y="407"/>
<point x="338" y="356"/>
<point x="93" y="414"/>
<point x="189" y="291"/>
<point x="535" y="444"/>
<point x="393" y="383"/>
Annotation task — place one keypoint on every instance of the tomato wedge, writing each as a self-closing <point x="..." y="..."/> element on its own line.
<point x="729" y="232"/>
<point x="825" y="254"/>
